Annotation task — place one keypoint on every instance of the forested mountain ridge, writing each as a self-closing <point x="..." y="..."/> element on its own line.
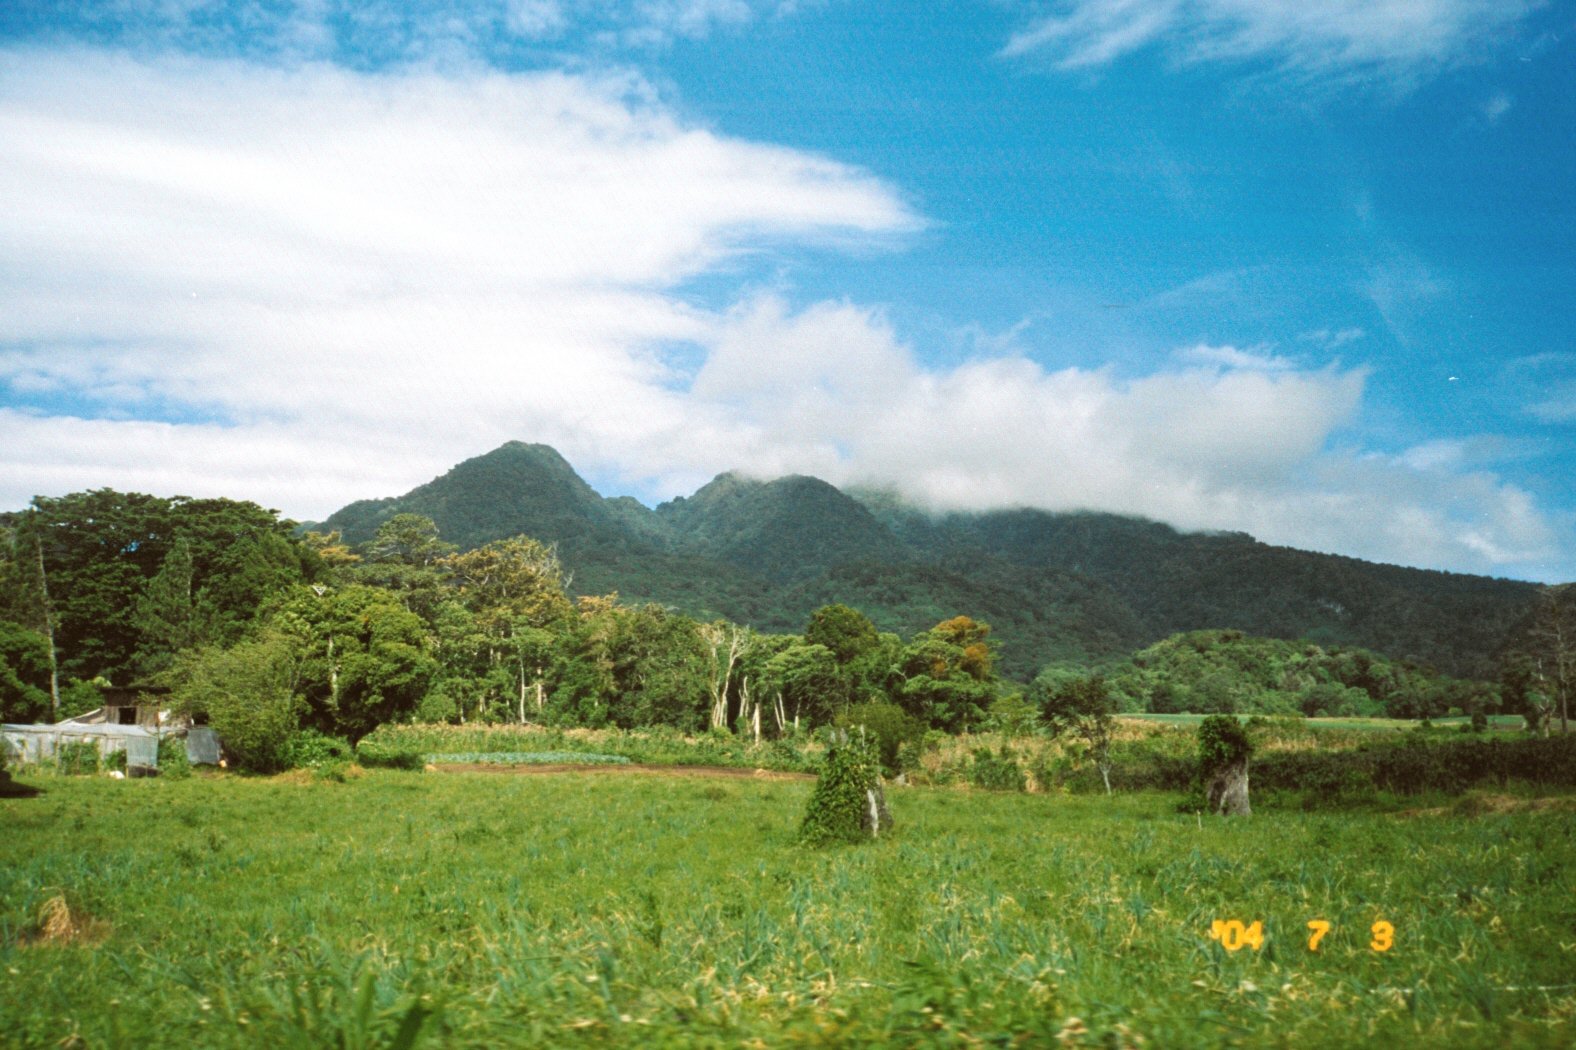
<point x="1075" y="587"/>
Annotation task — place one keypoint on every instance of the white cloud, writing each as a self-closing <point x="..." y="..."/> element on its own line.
<point x="1390" y="38"/>
<point x="832" y="391"/>
<point x="1232" y="357"/>
<point x="414" y="267"/>
<point x="309" y="286"/>
<point x="1497" y="107"/>
<point x="1558" y="405"/>
<point x="1332" y="339"/>
<point x="535" y="18"/>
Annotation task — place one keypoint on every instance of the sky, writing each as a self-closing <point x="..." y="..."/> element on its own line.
<point x="1300" y="268"/>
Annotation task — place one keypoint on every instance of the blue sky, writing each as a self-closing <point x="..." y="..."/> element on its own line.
<point x="1303" y="269"/>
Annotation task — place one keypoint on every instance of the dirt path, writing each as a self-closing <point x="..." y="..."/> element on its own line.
<point x="632" y="767"/>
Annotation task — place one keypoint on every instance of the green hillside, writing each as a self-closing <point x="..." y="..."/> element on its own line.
<point x="1075" y="587"/>
<point x="1227" y="672"/>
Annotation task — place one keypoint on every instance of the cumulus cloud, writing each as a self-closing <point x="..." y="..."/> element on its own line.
<point x="1232" y="357"/>
<point x="413" y="266"/>
<point x="1391" y="38"/>
<point x="1227" y="439"/>
<point x="311" y="285"/>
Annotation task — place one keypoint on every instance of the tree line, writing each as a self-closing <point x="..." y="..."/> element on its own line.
<point x="240" y="619"/>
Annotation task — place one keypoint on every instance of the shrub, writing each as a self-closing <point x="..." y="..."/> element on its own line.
<point x="437" y="706"/>
<point x="248" y="694"/>
<point x="1013" y="716"/>
<point x="839" y="806"/>
<point x="996" y="772"/>
<point x="384" y="754"/>
<point x="76" y="757"/>
<point x="1418" y="764"/>
<point x="310" y="749"/>
<point x="173" y="762"/>
<point x="890" y="728"/>
<point x="1221" y="742"/>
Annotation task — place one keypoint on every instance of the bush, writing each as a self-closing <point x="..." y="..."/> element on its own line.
<point x="437" y="706"/>
<point x="890" y="728"/>
<point x="996" y="772"/>
<point x="248" y="695"/>
<point x="839" y="806"/>
<point x="1013" y="716"/>
<point x="173" y="762"/>
<point x="383" y="754"/>
<point x="1418" y="764"/>
<point x="77" y="757"/>
<point x="310" y="749"/>
<point x="1221" y="742"/>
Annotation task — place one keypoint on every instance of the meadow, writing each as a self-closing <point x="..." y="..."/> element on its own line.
<point x="600" y="908"/>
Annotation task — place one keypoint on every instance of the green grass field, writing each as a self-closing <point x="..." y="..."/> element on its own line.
<point x="599" y="908"/>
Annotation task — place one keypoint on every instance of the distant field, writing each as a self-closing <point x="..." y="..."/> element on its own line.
<point x="1497" y="722"/>
<point x="599" y="909"/>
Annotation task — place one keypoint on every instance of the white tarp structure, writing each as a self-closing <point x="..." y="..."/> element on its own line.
<point x="38" y="743"/>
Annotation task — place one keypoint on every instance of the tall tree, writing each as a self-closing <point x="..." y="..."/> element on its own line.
<point x="514" y="591"/>
<point x="405" y="556"/>
<point x="1543" y="653"/>
<point x="947" y="675"/>
<point x="1084" y="707"/>
<point x="367" y="658"/>
<point x="726" y="645"/>
<point x="847" y="633"/>
<point x="167" y="608"/>
<point x="24" y="674"/>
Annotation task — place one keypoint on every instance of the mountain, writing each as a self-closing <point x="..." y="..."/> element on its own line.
<point x="1056" y="587"/>
<point x="790" y="529"/>
<point x="516" y="488"/>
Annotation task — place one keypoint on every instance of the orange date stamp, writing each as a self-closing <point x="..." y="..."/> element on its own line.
<point x="1235" y="935"/>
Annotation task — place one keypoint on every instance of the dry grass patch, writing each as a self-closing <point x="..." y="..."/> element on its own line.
<point x="1481" y="805"/>
<point x="58" y="925"/>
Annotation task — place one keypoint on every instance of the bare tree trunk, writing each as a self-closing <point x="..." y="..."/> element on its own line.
<point x="333" y="675"/>
<point x="1227" y="790"/>
<point x="723" y="663"/>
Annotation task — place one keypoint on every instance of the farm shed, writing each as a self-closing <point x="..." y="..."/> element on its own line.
<point x="37" y="743"/>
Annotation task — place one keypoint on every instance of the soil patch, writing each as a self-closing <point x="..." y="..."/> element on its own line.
<point x="634" y="768"/>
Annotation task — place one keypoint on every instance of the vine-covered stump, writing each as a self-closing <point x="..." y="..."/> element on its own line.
<point x="1223" y="752"/>
<point x="848" y="803"/>
<point x="1227" y="791"/>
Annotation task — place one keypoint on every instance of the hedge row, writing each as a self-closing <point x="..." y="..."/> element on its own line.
<point x="1411" y="766"/>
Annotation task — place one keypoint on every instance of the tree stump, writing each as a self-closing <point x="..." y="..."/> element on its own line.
<point x="1223" y="751"/>
<point x="877" y="817"/>
<point x="848" y="803"/>
<point x="1227" y="790"/>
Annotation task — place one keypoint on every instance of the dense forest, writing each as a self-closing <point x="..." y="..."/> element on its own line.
<point x="1082" y="589"/>
<point x="226" y="611"/>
